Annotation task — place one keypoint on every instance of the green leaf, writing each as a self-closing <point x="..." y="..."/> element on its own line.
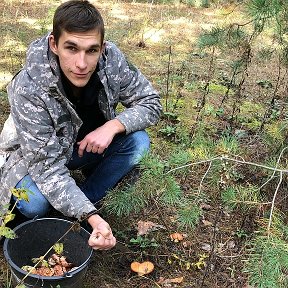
<point x="45" y="263"/>
<point x="8" y="217"/>
<point x="24" y="195"/>
<point x="7" y="232"/>
<point x="58" y="248"/>
<point x="27" y="268"/>
<point x="21" y="193"/>
<point x="41" y="261"/>
<point x="15" y="192"/>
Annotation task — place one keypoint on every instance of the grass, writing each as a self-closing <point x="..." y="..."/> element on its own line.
<point x="216" y="204"/>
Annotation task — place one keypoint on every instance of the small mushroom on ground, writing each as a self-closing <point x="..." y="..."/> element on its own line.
<point x="176" y="237"/>
<point x="143" y="268"/>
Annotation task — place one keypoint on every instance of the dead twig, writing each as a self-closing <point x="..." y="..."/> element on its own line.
<point x="278" y="161"/>
<point x="273" y="203"/>
<point x="201" y="182"/>
<point x="221" y="158"/>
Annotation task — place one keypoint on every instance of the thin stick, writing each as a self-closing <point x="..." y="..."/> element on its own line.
<point x="194" y="163"/>
<point x="168" y="77"/>
<point x="229" y="159"/>
<point x="273" y="203"/>
<point x="278" y="161"/>
<point x="201" y="182"/>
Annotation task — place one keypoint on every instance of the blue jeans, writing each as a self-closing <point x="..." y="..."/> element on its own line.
<point x="103" y="171"/>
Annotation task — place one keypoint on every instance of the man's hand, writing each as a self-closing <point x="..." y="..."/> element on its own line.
<point x="101" y="237"/>
<point x="98" y="140"/>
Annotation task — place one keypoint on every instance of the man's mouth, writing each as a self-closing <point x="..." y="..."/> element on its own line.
<point x="81" y="75"/>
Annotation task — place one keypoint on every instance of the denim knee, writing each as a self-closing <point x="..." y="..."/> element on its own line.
<point x="141" y="139"/>
<point x="141" y="144"/>
<point x="38" y="205"/>
<point x="32" y="211"/>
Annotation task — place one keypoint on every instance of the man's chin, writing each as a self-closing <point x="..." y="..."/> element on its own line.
<point x="79" y="83"/>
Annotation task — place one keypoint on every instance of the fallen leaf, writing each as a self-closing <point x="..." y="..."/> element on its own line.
<point x="207" y="223"/>
<point x="220" y="247"/>
<point x="206" y="247"/>
<point x="205" y="206"/>
<point x="76" y="227"/>
<point x="172" y="219"/>
<point x="231" y="244"/>
<point x="143" y="268"/>
<point x="187" y="244"/>
<point x="176" y="237"/>
<point x="144" y="227"/>
<point x="226" y="214"/>
<point x="177" y="280"/>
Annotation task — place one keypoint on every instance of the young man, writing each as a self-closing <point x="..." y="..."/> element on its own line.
<point x="63" y="118"/>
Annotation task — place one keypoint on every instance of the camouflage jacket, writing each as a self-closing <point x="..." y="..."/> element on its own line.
<point x="39" y="134"/>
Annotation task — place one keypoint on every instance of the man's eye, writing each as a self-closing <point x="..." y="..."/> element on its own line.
<point x="71" y="48"/>
<point x="93" y="50"/>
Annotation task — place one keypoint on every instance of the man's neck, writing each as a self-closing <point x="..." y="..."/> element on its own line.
<point x="77" y="91"/>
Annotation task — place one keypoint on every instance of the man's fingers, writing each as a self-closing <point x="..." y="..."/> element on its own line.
<point x="89" y="148"/>
<point x="107" y="233"/>
<point x="99" y="242"/>
<point x="84" y="146"/>
<point x="105" y="230"/>
<point x="81" y="148"/>
<point x="94" y="149"/>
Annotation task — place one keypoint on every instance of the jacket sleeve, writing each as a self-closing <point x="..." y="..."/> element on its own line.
<point x="44" y="155"/>
<point x="142" y="102"/>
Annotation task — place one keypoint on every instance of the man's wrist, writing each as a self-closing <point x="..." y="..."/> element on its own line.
<point x="86" y="216"/>
<point x="116" y="125"/>
<point x="94" y="220"/>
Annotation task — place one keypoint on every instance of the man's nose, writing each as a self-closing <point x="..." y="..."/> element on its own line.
<point x="81" y="62"/>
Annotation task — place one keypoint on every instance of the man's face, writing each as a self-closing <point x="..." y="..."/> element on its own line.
<point x="78" y="54"/>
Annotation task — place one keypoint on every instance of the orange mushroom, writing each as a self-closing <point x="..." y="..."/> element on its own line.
<point x="142" y="268"/>
<point x="45" y="271"/>
<point x="176" y="237"/>
<point x="59" y="270"/>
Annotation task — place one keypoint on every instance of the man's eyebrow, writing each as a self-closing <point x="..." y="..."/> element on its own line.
<point x="70" y="43"/>
<point x="94" y="46"/>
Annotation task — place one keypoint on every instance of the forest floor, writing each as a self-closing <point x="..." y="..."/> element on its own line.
<point x="161" y="40"/>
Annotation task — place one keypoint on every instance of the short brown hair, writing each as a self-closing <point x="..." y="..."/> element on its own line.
<point x="77" y="16"/>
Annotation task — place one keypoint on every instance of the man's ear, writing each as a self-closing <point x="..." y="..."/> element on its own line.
<point x="52" y="44"/>
<point x="103" y="47"/>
